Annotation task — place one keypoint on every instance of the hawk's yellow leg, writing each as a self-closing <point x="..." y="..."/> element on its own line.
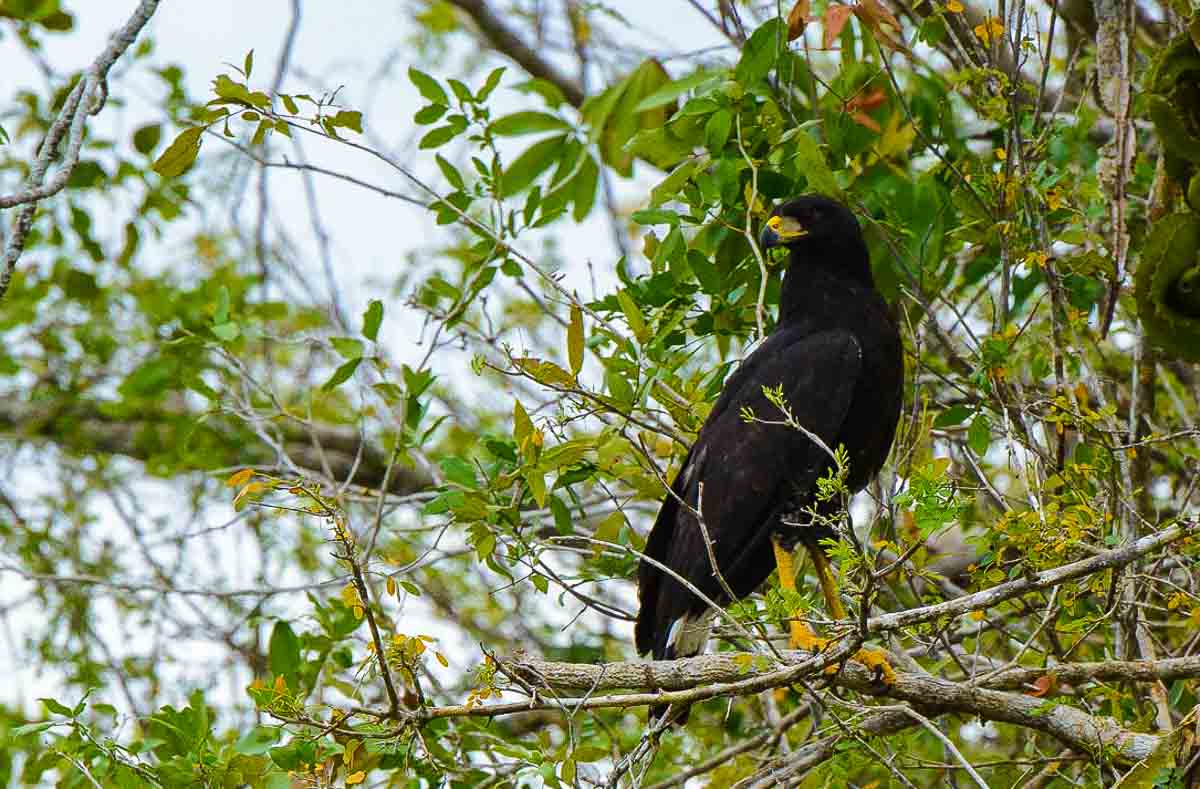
<point x="802" y="636"/>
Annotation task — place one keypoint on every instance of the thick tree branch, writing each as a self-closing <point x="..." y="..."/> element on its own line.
<point x="729" y="667"/>
<point x="505" y="41"/>
<point x="83" y="427"/>
<point x="1088" y="733"/>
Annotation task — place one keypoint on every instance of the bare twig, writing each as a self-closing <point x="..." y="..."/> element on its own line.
<point x="86" y="98"/>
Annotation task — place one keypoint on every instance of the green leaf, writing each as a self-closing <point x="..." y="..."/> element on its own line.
<point x="372" y="318"/>
<point x="536" y="479"/>
<point x="489" y="85"/>
<point x="283" y="651"/>
<point x="428" y="86"/>
<point x="347" y="347"/>
<point x="180" y="154"/>
<point x="522" y="424"/>
<point x="670" y="186"/>
<point x="760" y="52"/>
<point x="528" y="122"/>
<point x="390" y="392"/>
<point x="459" y="471"/>
<point x="227" y="332"/>
<point x="55" y="706"/>
<point x="436" y="138"/>
<point x="716" y="131"/>
<point x="562" y="516"/>
<point x="812" y="163"/>
<point x="248" y="63"/>
<point x="348" y="119"/>
<point x="430" y="114"/>
<point x="614" y="120"/>
<point x="655" y="216"/>
<point x="146" y="138"/>
<point x="583" y="188"/>
<point x="954" y="415"/>
<point x="485" y="545"/>
<point x="289" y="104"/>
<point x="221" y="311"/>
<point x="668" y="93"/>
<point x="342" y="374"/>
<point x="529" y="165"/>
<point x="416" y="381"/>
<point x="609" y="529"/>
<point x="461" y="91"/>
<point x="258" y="740"/>
<point x="979" y="435"/>
<point x="575" y="340"/>
<point x="633" y="314"/>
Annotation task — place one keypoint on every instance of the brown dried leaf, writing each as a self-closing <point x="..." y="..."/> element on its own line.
<point x="872" y="12"/>
<point x="1043" y="685"/>
<point x="835" y="19"/>
<point x="867" y="101"/>
<point x="798" y="19"/>
<point x="863" y="119"/>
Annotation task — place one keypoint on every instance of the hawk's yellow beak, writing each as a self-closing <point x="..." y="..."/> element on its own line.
<point x="781" y="230"/>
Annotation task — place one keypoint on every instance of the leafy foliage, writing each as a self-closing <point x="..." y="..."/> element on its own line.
<point x="222" y="477"/>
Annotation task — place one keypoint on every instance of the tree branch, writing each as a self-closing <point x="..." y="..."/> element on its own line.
<point x="505" y="41"/>
<point x="1096" y="735"/>
<point x="83" y="427"/>
<point x="1116" y="557"/>
<point x="86" y="98"/>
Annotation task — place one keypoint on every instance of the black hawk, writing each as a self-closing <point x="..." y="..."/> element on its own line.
<point x="837" y="355"/>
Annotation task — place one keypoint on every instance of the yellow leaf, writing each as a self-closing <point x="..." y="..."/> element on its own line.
<point x="536" y="480"/>
<point x="977" y="616"/>
<point x="350" y="596"/>
<point x="544" y="372"/>
<point x="442" y="659"/>
<point x="633" y="315"/>
<point x="240" y="478"/>
<point x="989" y="30"/>
<point x="609" y="529"/>
<point x="575" y="340"/>
<point x="356" y="778"/>
<point x="954" y="7"/>
<point x="348" y="753"/>
<point x="391" y="586"/>
<point x="897" y="136"/>
<point x="250" y="489"/>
